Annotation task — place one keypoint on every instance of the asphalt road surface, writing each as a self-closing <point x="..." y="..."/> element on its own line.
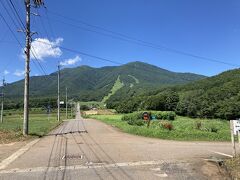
<point x="89" y="149"/>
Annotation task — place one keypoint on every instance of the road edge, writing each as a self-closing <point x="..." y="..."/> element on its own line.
<point x="4" y="163"/>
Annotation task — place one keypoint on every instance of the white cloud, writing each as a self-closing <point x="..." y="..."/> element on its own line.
<point x="5" y="72"/>
<point x="44" y="48"/>
<point x="19" y="73"/>
<point x="70" y="61"/>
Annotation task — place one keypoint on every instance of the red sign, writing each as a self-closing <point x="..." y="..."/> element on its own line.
<point x="146" y="116"/>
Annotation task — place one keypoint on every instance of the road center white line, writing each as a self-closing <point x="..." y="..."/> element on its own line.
<point x="77" y="167"/>
<point x="223" y="154"/>
<point x="156" y="169"/>
<point x="17" y="154"/>
<point x="161" y="175"/>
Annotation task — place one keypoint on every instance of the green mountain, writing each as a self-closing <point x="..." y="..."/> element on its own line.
<point x="93" y="84"/>
<point x="213" y="97"/>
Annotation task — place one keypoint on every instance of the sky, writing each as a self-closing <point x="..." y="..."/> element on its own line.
<point x="167" y="33"/>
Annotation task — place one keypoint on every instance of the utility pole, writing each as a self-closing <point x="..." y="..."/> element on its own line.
<point x="27" y="50"/>
<point x="72" y="111"/>
<point x="58" y="116"/>
<point x="27" y="68"/>
<point x="3" y="84"/>
<point x="66" y="103"/>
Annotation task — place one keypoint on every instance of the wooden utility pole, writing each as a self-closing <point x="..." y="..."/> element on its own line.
<point x="3" y="84"/>
<point x="27" y="69"/>
<point x="58" y="101"/>
<point x="66" y="103"/>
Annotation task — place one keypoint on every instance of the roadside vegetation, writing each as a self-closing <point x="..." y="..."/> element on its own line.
<point x="39" y="124"/>
<point x="233" y="166"/>
<point x="169" y="126"/>
<point x="91" y="104"/>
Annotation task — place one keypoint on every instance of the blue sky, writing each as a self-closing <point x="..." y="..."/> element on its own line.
<point x="201" y="27"/>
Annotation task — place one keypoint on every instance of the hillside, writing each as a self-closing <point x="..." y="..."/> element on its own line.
<point x="86" y="83"/>
<point x="213" y="97"/>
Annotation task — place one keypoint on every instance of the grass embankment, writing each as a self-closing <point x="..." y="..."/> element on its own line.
<point x="39" y="125"/>
<point x="184" y="128"/>
<point x="233" y="167"/>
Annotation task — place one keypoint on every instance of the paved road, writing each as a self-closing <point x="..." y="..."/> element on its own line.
<point x="89" y="149"/>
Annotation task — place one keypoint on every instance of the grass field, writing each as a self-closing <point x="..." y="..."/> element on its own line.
<point x="39" y="124"/>
<point x="117" y="85"/>
<point x="184" y="128"/>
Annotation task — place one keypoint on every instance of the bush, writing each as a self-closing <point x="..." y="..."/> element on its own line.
<point x="167" y="125"/>
<point x="198" y="125"/>
<point x="132" y="116"/>
<point x="133" y="119"/>
<point x="137" y="122"/>
<point x="85" y="108"/>
<point x="165" y="115"/>
<point x="213" y="129"/>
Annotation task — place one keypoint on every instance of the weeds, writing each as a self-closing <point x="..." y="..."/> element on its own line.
<point x="180" y="129"/>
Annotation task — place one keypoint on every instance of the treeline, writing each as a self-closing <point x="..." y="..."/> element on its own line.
<point x="43" y="103"/>
<point x="215" y="97"/>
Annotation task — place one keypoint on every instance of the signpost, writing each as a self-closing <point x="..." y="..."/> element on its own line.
<point x="236" y="127"/>
<point x="62" y="102"/>
<point x="235" y="130"/>
<point x="48" y="111"/>
<point x="147" y="117"/>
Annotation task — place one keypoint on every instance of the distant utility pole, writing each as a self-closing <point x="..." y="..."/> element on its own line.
<point x="66" y="103"/>
<point x="58" y="101"/>
<point x="3" y="84"/>
<point x="27" y="68"/>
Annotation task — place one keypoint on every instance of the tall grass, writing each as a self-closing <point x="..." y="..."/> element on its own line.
<point x="184" y="128"/>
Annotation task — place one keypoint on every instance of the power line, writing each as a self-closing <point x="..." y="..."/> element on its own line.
<point x="124" y="37"/>
<point x="97" y="57"/>
<point x="14" y="23"/>
<point x="4" y="20"/>
<point x="42" y="23"/>
<point x="49" y="23"/>
<point x="33" y="50"/>
<point x="16" y="12"/>
<point x="19" y="19"/>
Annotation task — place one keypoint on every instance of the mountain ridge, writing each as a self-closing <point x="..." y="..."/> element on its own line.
<point x="88" y="83"/>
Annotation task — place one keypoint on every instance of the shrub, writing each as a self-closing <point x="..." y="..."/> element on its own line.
<point x="85" y="108"/>
<point x="133" y="119"/>
<point x="171" y="115"/>
<point x="132" y="116"/>
<point x="213" y="129"/>
<point x="137" y="122"/>
<point x="198" y="125"/>
<point x="167" y="125"/>
<point x="165" y="115"/>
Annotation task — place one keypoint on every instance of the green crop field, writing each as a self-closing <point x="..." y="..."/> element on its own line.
<point x="39" y="124"/>
<point x="184" y="128"/>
